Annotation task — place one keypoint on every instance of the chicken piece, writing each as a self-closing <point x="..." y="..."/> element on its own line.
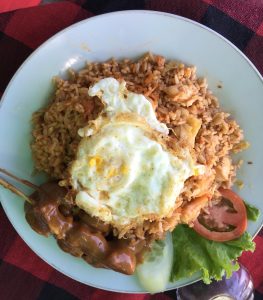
<point x="187" y="132"/>
<point x="223" y="169"/>
<point x="203" y="184"/>
<point x="192" y="209"/>
<point x="194" y="125"/>
<point x="186" y="95"/>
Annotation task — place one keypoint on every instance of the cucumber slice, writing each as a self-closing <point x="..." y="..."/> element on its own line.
<point x="154" y="272"/>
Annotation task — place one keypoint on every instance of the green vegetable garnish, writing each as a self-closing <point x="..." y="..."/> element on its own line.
<point x="252" y="212"/>
<point x="193" y="253"/>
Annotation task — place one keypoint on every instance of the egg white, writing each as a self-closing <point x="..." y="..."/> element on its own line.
<point x="123" y="172"/>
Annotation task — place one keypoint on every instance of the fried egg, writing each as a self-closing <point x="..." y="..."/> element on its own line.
<point x="124" y="172"/>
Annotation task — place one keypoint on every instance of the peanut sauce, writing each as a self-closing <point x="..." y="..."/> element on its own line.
<point x="81" y="234"/>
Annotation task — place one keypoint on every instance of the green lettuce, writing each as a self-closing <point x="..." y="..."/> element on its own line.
<point x="193" y="253"/>
<point x="252" y="212"/>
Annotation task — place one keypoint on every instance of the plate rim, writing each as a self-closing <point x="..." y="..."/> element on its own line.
<point x="90" y="19"/>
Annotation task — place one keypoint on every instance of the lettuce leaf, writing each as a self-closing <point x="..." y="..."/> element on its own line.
<point x="252" y="212"/>
<point x="193" y="253"/>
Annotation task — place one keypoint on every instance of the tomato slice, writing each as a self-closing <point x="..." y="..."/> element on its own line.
<point x="224" y="221"/>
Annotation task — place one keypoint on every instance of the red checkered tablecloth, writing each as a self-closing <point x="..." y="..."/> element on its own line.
<point x="23" y="275"/>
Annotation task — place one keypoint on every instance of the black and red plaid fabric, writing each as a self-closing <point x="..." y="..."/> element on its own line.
<point x="25" y="276"/>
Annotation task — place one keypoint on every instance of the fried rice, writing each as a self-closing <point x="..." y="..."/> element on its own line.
<point x="176" y="93"/>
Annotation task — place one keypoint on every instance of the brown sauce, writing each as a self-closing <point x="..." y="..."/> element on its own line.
<point x="81" y="234"/>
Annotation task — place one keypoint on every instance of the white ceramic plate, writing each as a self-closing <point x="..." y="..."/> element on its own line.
<point x="126" y="34"/>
